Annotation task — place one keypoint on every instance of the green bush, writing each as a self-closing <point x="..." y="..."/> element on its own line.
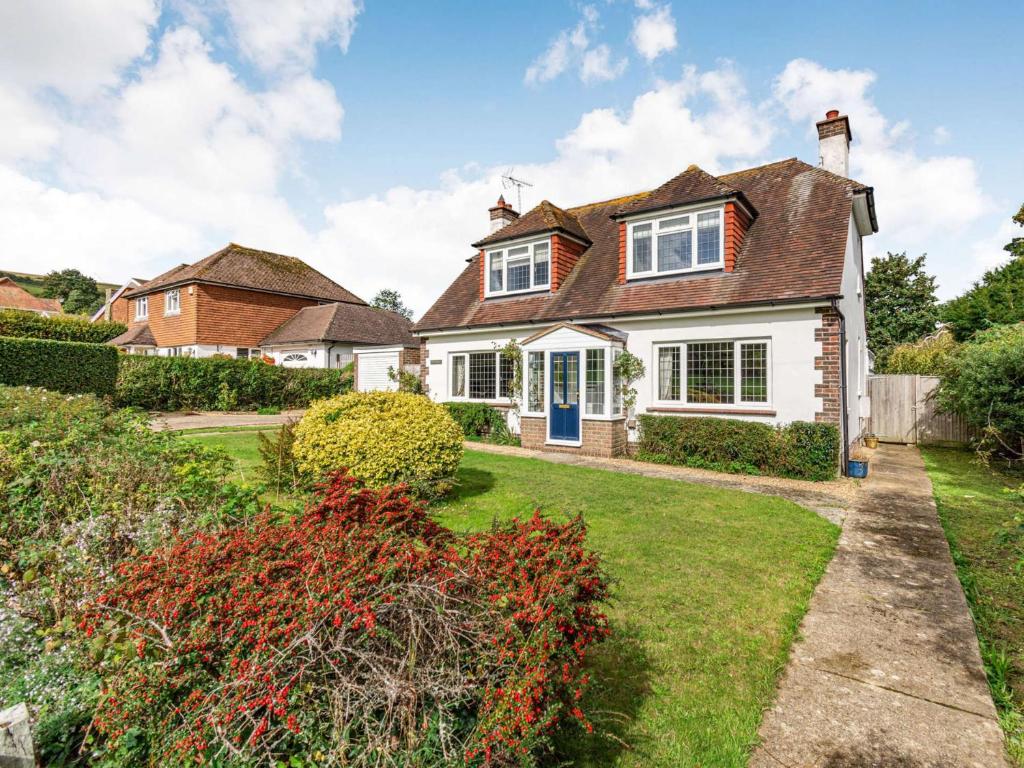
<point x="186" y="383"/>
<point x="382" y="438"/>
<point x="986" y="385"/>
<point x="479" y="420"/>
<point x="929" y="357"/>
<point x="82" y="488"/>
<point x="29" y="325"/>
<point x="801" y="449"/>
<point x="62" y="366"/>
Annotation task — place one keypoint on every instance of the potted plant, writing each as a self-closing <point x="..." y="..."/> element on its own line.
<point x="857" y="466"/>
<point x="871" y="440"/>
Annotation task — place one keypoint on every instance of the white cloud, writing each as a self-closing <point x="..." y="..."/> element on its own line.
<point x="654" y="33"/>
<point x="564" y="49"/>
<point x="941" y="135"/>
<point x="29" y="128"/>
<point x="285" y="33"/>
<point x="75" y="49"/>
<point x="597" y="65"/>
<point x="921" y="199"/>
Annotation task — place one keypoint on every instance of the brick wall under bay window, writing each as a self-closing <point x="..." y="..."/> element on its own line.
<point x="828" y="362"/>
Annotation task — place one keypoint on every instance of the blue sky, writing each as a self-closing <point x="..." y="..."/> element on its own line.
<point x="370" y="138"/>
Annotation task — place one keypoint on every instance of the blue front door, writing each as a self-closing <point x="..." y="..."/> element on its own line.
<point x="565" y="396"/>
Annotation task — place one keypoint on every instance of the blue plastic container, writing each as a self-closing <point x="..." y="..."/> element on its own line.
<point x="855" y="468"/>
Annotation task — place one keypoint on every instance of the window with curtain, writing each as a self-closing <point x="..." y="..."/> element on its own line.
<point x="541" y="264"/>
<point x="497" y="271"/>
<point x="595" y="382"/>
<point x="458" y="376"/>
<point x="714" y="372"/>
<point x="172" y="302"/>
<point x="676" y="243"/>
<point x="519" y="268"/>
<point x="535" y="386"/>
<point x="142" y="307"/>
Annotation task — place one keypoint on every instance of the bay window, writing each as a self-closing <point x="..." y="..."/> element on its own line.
<point x="519" y="268"/>
<point x="713" y="372"/>
<point x="595" y="382"/>
<point x="676" y="242"/>
<point x="535" y="385"/>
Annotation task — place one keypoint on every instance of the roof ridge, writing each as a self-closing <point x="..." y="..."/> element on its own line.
<point x="616" y="200"/>
<point x="761" y="167"/>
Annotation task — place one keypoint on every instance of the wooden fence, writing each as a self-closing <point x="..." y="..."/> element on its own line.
<point x="904" y="410"/>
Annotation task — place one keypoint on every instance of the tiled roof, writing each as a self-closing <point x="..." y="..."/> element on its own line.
<point x="353" y="323"/>
<point x="137" y="335"/>
<point x="13" y="296"/>
<point x="242" y="267"/>
<point x="794" y="250"/>
<point x="544" y="218"/>
<point x="691" y="186"/>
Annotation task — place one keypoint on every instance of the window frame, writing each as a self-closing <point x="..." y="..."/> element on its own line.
<point x="502" y="251"/>
<point x="498" y="397"/>
<point x="142" y="308"/>
<point x="176" y="293"/>
<point x="737" y="404"/>
<point x="654" y="220"/>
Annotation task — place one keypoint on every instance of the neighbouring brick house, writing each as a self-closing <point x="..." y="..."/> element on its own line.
<point x="13" y="296"/>
<point x="244" y="303"/>
<point x="117" y="307"/>
<point x="742" y="294"/>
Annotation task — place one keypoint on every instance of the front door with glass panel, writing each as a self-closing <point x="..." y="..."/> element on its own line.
<point x="565" y="396"/>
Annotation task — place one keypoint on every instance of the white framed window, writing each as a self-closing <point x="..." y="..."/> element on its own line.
<point x="142" y="308"/>
<point x="618" y="406"/>
<point x="172" y="302"/>
<point x="480" y="376"/>
<point x="535" y="382"/>
<point x="675" y="243"/>
<point x="518" y="268"/>
<point x="595" y="380"/>
<point x="732" y="372"/>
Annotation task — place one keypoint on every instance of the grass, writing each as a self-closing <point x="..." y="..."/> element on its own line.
<point x="987" y="543"/>
<point x="710" y="587"/>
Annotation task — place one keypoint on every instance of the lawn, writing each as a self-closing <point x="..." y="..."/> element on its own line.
<point x="977" y="514"/>
<point x="710" y="588"/>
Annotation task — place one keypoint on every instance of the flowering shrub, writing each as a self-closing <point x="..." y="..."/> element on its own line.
<point x="382" y="438"/>
<point x="359" y="633"/>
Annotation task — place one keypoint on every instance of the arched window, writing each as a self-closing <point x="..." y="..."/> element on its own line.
<point x="295" y="357"/>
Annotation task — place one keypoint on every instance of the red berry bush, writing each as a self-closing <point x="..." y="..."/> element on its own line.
<point x="359" y="633"/>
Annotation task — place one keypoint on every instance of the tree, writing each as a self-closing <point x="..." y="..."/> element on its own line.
<point x="996" y="299"/>
<point x="390" y="299"/>
<point x="78" y="293"/>
<point x="900" y="303"/>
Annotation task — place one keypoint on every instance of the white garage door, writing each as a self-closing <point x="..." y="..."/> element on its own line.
<point x="373" y="371"/>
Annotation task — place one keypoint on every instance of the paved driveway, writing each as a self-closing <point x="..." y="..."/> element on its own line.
<point x="887" y="672"/>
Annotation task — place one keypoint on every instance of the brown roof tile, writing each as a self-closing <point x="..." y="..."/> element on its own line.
<point x="13" y="296"/>
<point x="546" y="217"/>
<point x="691" y="186"/>
<point x="354" y="323"/>
<point x="137" y="335"/>
<point x="794" y="250"/>
<point x="256" y="270"/>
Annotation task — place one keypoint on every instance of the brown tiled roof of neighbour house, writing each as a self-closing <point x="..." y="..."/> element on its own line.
<point x="340" y="322"/>
<point x="135" y="336"/>
<point x="240" y="267"/>
<point x="13" y="296"/>
<point x="794" y="250"/>
<point x="543" y="218"/>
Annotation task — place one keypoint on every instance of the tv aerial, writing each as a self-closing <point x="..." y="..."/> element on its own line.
<point x="508" y="181"/>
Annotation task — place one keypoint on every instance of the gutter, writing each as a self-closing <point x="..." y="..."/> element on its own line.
<point x="843" y="394"/>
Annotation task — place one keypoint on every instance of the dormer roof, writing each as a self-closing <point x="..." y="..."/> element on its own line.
<point x="694" y="185"/>
<point x="545" y="217"/>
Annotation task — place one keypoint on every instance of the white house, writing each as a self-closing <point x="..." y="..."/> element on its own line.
<point x="742" y="294"/>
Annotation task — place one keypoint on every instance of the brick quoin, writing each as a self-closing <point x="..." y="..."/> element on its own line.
<point x="424" y="366"/>
<point x="829" y="390"/>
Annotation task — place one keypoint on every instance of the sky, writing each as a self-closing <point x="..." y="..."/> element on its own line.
<point x="369" y="138"/>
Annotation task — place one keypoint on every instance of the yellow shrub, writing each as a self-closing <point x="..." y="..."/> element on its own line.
<point x="383" y="438"/>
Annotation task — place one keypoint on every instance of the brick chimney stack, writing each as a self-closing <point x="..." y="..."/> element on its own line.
<point x="501" y="214"/>
<point x="834" y="139"/>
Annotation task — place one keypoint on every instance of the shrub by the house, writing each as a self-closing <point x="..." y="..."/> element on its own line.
<point x="83" y="486"/>
<point x="32" y="325"/>
<point x="801" y="449"/>
<point x="62" y="366"/>
<point x="929" y="357"/>
<point x="360" y="630"/>
<point x="382" y="438"/>
<point x="480" y="420"/>
<point x="183" y="383"/>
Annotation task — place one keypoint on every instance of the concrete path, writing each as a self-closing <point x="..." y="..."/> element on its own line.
<point x="218" y="420"/>
<point x="887" y="672"/>
<point x="828" y="499"/>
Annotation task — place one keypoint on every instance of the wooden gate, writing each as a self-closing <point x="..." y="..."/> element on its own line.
<point x="904" y="410"/>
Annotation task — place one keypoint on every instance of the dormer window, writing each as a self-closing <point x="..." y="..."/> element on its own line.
<point x="519" y="267"/>
<point x="676" y="242"/>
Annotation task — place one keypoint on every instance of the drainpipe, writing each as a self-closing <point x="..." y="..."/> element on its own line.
<point x="845" y="414"/>
<point x="330" y="350"/>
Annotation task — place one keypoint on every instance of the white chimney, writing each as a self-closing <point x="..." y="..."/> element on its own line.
<point x="834" y="139"/>
<point x="501" y="214"/>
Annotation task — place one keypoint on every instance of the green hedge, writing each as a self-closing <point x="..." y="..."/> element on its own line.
<point x="29" y="325"/>
<point x="802" y="449"/>
<point x="187" y="383"/>
<point x="61" y="366"/>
